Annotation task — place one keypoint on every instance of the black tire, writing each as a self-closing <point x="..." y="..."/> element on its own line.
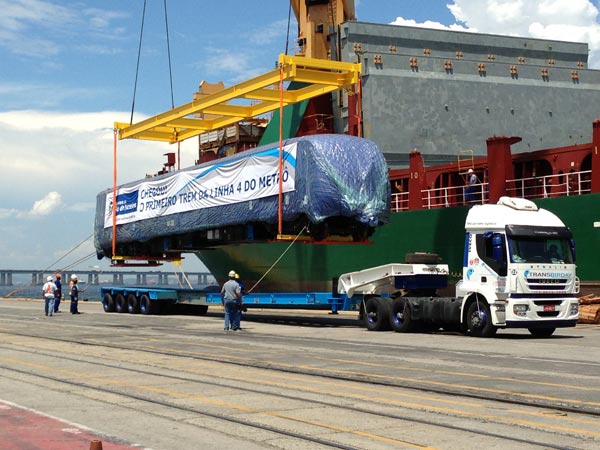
<point x="376" y="314"/>
<point x="120" y="303"/>
<point x="479" y="319"/>
<point x="108" y="303"/>
<point x="133" y="304"/>
<point x="400" y="316"/>
<point x="542" y="332"/>
<point x="147" y="306"/>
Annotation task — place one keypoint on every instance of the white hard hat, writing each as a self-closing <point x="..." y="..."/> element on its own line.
<point x="73" y="277"/>
<point x="470" y="171"/>
<point x="49" y="279"/>
<point x="232" y="274"/>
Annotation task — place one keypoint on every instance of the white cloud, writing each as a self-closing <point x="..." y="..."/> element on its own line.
<point x="54" y="164"/>
<point x="430" y="24"/>
<point x="46" y="206"/>
<point x="563" y="20"/>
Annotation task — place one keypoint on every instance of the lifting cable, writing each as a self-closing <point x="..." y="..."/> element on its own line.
<point x="287" y="37"/>
<point x="137" y="67"/>
<point x="169" y="54"/>
<point x="48" y="268"/>
<point x="277" y="260"/>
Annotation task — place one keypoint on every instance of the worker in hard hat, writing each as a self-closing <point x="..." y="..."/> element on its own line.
<point x="74" y="293"/>
<point x="240" y="304"/>
<point x="58" y="292"/>
<point x="231" y="295"/>
<point x="48" y="294"/>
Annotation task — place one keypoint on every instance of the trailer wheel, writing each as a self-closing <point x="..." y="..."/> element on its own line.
<point x="541" y="332"/>
<point x="400" y="316"/>
<point x="146" y="305"/>
<point x="479" y="320"/>
<point x="120" y="303"/>
<point x="133" y="304"/>
<point x="108" y="303"/>
<point x="377" y="313"/>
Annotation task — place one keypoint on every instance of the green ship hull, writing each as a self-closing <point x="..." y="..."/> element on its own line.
<point x="303" y="266"/>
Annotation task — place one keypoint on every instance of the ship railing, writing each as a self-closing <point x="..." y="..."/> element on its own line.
<point x="572" y="183"/>
<point x="399" y="202"/>
<point x="455" y="196"/>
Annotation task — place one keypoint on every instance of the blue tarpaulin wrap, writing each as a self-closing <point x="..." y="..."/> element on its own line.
<point x="325" y="176"/>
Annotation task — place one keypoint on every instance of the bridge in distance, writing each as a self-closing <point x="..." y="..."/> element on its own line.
<point x="116" y="277"/>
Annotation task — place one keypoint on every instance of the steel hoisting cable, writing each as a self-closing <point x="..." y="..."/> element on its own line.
<point x="137" y="67"/>
<point x="169" y="54"/>
<point x="278" y="259"/>
<point x="287" y="37"/>
<point x="47" y="269"/>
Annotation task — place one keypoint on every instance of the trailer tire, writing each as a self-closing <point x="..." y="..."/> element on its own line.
<point x="120" y="303"/>
<point x="479" y="320"/>
<point x="542" y="332"/>
<point x="146" y="305"/>
<point x="108" y="303"/>
<point x="377" y="314"/>
<point x="133" y="304"/>
<point x="401" y="316"/>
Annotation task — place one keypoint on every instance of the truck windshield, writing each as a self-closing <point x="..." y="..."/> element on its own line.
<point x="536" y="250"/>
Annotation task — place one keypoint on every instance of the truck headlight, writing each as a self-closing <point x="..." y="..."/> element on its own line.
<point x="520" y="310"/>
<point x="574" y="309"/>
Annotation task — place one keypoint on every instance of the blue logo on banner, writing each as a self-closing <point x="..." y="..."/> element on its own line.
<point x="127" y="203"/>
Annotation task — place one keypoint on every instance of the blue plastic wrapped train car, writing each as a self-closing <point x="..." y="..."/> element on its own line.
<point x="333" y="185"/>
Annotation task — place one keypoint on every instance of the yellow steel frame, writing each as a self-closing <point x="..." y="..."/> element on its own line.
<point x="261" y="93"/>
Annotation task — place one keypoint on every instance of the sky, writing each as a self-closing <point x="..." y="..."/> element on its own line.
<point x="67" y="73"/>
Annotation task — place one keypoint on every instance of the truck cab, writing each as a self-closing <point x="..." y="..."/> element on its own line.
<point x="518" y="270"/>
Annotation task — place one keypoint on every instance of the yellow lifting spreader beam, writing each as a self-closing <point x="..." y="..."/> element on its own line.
<point x="262" y="94"/>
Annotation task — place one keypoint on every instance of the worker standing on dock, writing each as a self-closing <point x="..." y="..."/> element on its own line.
<point x="48" y="293"/>
<point x="240" y="304"/>
<point x="231" y="294"/>
<point x="74" y="293"/>
<point x="58" y="292"/>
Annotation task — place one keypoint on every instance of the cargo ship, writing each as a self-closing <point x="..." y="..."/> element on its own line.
<point x="518" y="113"/>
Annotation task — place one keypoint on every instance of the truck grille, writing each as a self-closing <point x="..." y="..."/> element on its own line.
<point x="547" y="284"/>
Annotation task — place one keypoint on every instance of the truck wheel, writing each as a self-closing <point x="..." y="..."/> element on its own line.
<point x="133" y="304"/>
<point x="146" y="305"/>
<point x="377" y="313"/>
<point x="120" y="303"/>
<point x="541" y="332"/>
<point x="479" y="320"/>
<point x="400" y="316"/>
<point x="108" y="303"/>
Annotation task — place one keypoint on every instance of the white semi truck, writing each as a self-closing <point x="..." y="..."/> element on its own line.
<point x="518" y="272"/>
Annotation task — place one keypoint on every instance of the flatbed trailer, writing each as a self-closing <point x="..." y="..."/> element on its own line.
<point x="151" y="300"/>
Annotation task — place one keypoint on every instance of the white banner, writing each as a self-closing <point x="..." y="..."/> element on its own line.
<point x="251" y="177"/>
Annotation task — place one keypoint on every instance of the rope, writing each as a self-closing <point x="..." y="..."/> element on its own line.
<point x="183" y="275"/>
<point x="278" y="259"/>
<point x="137" y="67"/>
<point x="169" y="54"/>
